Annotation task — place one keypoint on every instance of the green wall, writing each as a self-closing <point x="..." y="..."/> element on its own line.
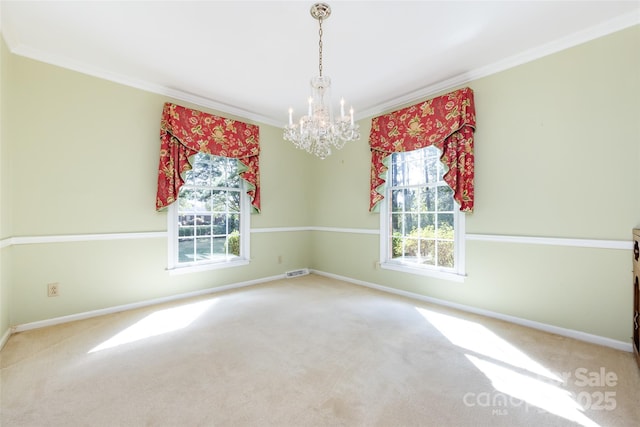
<point x="5" y="188"/>
<point x="84" y="155"/>
<point x="557" y="149"/>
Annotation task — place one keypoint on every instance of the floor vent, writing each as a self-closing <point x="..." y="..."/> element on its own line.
<point x="296" y="273"/>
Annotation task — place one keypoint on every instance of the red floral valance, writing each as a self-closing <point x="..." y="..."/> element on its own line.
<point x="185" y="132"/>
<point x="448" y="122"/>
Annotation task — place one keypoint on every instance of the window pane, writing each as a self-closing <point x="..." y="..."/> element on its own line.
<point x="427" y="225"/>
<point x="399" y="249"/>
<point x="220" y="224"/>
<point x="184" y="220"/>
<point x="411" y="200"/>
<point x="411" y="248"/>
<point x="445" y="226"/>
<point x="445" y="254"/>
<point x="396" y="246"/>
<point x="397" y="200"/>
<point x="233" y="244"/>
<point x="233" y="179"/>
<point x="185" y="231"/>
<point x="203" y="219"/>
<point x="201" y="200"/>
<point x="414" y="156"/>
<point x="233" y="201"/>
<point x="185" y="250"/>
<point x="203" y="248"/>
<point x="415" y="172"/>
<point x="397" y="224"/>
<point x="219" y="201"/>
<point x="429" y="199"/>
<point x="188" y="177"/>
<point x="396" y="171"/>
<point x="445" y="198"/>
<point x="201" y="158"/>
<point x="201" y="174"/>
<point x="411" y="224"/>
<point x="186" y="200"/>
<point x="218" y="176"/>
<point x="203" y="230"/>
<point x="219" y="245"/>
<point x="429" y="251"/>
<point x="234" y="223"/>
<point x="432" y="168"/>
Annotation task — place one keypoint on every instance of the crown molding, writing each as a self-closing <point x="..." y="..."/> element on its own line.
<point x="18" y="48"/>
<point x="617" y="24"/>
<point x="600" y="30"/>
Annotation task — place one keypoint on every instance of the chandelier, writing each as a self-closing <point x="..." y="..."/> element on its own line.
<point x="318" y="132"/>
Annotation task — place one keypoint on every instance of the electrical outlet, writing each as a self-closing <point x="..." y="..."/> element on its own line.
<point x="279" y="259"/>
<point x="53" y="289"/>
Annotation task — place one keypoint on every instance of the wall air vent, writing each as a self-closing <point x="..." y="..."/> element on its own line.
<point x="296" y="273"/>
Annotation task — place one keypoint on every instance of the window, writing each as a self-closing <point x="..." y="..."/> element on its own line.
<point x="422" y="228"/>
<point x="209" y="222"/>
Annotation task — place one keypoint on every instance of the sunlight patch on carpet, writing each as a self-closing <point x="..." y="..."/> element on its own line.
<point x="517" y="379"/>
<point x="534" y="392"/>
<point x="479" y="339"/>
<point x="158" y="323"/>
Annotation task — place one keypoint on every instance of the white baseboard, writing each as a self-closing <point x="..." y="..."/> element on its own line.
<point x="570" y="333"/>
<point x="5" y="338"/>
<point x="125" y="307"/>
<point x="582" y="336"/>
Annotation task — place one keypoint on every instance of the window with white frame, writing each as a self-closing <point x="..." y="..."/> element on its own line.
<point x="422" y="228"/>
<point x="209" y="223"/>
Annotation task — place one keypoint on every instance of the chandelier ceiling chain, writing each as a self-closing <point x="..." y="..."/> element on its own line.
<point x="320" y="47"/>
<point x="318" y="132"/>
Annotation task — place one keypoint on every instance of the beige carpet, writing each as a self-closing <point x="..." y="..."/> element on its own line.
<point x="310" y="351"/>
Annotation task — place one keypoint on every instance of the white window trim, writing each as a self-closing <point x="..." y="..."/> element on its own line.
<point x="172" y="231"/>
<point x="457" y="275"/>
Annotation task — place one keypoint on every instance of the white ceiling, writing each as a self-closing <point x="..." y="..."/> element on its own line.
<point x="254" y="59"/>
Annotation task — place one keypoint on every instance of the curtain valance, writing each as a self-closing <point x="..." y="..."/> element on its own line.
<point x="448" y="122"/>
<point x="185" y="132"/>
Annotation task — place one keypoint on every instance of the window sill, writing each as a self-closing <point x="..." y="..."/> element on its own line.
<point x="187" y="269"/>
<point x="438" y="274"/>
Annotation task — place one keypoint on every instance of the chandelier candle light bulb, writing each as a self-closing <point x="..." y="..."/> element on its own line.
<point x="318" y="132"/>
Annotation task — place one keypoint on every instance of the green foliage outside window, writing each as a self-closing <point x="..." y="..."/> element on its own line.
<point x="421" y="242"/>
<point x="233" y="243"/>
